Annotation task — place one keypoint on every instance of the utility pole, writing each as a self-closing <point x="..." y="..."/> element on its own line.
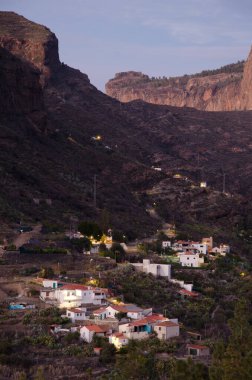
<point x="224" y="183"/>
<point x="95" y="191"/>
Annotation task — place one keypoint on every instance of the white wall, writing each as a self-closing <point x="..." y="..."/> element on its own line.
<point x="191" y="260"/>
<point x="166" y="332"/>
<point x="50" y="283"/>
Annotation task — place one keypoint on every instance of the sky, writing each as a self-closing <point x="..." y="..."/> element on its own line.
<point x="156" y="37"/>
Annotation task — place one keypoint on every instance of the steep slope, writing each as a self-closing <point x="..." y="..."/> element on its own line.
<point x="226" y="89"/>
<point x="50" y="154"/>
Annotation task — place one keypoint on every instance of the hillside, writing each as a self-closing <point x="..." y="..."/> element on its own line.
<point x="224" y="89"/>
<point x="50" y="116"/>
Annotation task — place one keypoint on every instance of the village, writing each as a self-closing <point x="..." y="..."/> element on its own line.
<point x="96" y="314"/>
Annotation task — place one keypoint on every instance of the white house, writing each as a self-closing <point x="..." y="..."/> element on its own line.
<point x="141" y="329"/>
<point x="222" y="250"/>
<point x="158" y="270"/>
<point x="166" y="330"/>
<point x="74" y="295"/>
<point x="182" y="284"/>
<point x="197" y="350"/>
<point x="87" y="332"/>
<point x="48" y="283"/>
<point x="130" y="310"/>
<point x="76" y="314"/>
<point x="166" y="244"/>
<point x="190" y="259"/>
<point x="118" y="340"/>
<point x="188" y="246"/>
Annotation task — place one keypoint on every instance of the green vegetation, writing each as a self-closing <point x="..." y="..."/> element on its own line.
<point x="90" y="229"/>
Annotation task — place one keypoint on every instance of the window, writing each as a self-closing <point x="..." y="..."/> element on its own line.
<point x="159" y="328"/>
<point x="68" y="294"/>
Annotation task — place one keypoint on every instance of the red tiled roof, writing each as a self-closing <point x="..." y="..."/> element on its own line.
<point x="126" y="308"/>
<point x="150" y="319"/>
<point x="168" y="324"/>
<point x="95" y="328"/>
<point x="197" y="347"/>
<point x="100" y="310"/>
<point x="119" y="335"/>
<point x="75" y="310"/>
<point x="188" y="293"/>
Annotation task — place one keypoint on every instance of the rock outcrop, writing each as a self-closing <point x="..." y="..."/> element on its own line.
<point x="222" y="91"/>
<point x="21" y="94"/>
<point x="31" y="42"/>
<point x="246" y="85"/>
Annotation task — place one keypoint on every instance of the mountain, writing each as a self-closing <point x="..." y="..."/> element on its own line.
<point x="59" y="135"/>
<point x="225" y="89"/>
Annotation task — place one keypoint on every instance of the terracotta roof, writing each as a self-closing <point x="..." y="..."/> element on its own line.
<point x="119" y="335"/>
<point x="188" y="293"/>
<point x="126" y="308"/>
<point x="150" y="319"/>
<point x="197" y="347"/>
<point x="168" y="324"/>
<point x="100" y="310"/>
<point x="95" y="328"/>
<point x="75" y="310"/>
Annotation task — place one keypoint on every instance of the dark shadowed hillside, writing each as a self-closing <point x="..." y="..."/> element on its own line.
<point x="51" y="117"/>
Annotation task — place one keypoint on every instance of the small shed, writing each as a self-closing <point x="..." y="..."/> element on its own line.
<point x="198" y="350"/>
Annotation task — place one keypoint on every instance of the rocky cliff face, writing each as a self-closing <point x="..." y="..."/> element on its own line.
<point x="246" y="85"/>
<point x="21" y="94"/>
<point x="216" y="92"/>
<point x="31" y="42"/>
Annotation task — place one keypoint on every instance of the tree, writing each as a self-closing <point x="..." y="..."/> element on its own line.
<point x="107" y="353"/>
<point x="237" y="361"/>
<point x="117" y="252"/>
<point x="46" y="272"/>
<point x="90" y="229"/>
<point x="81" y="244"/>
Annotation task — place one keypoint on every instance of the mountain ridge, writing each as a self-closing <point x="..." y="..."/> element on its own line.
<point x="221" y="90"/>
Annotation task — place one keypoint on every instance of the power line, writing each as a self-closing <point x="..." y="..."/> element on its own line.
<point x="95" y="200"/>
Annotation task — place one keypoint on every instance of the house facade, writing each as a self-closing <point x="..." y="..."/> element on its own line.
<point x="190" y="259"/>
<point x="74" y="295"/>
<point x="77" y="314"/>
<point x="197" y="350"/>
<point x="158" y="270"/>
<point x="87" y="332"/>
<point x="141" y="329"/>
<point x="130" y="310"/>
<point x="119" y="340"/>
<point x="166" y="330"/>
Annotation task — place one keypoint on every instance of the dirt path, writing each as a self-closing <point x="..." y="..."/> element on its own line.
<point x="24" y="237"/>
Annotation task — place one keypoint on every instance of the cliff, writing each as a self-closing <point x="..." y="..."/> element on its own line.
<point x="246" y="85"/>
<point x="31" y="42"/>
<point x="21" y="94"/>
<point x="226" y="89"/>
